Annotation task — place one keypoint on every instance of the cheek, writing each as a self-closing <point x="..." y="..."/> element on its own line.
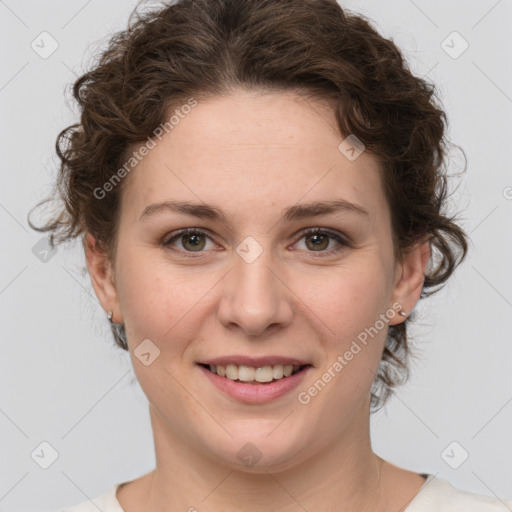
<point x="142" y="299"/>
<point x="139" y="303"/>
<point x="348" y="299"/>
<point x="352" y="307"/>
<point x="159" y="302"/>
<point x="159" y="307"/>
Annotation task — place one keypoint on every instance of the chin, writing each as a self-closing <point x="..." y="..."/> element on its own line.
<point x="256" y="451"/>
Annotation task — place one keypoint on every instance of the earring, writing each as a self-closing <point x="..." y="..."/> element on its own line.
<point x="110" y="314"/>
<point x="403" y="313"/>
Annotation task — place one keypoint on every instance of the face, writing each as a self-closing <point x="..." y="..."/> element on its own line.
<point x="263" y="277"/>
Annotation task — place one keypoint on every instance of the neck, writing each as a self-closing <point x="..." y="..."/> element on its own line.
<point x="343" y="476"/>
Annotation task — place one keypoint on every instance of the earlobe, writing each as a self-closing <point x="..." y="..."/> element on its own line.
<point x="102" y="276"/>
<point x="411" y="276"/>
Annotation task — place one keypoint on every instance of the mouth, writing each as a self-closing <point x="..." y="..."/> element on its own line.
<point x="261" y="375"/>
<point x="256" y="382"/>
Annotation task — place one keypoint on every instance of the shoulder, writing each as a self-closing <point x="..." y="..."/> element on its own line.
<point x="106" y="502"/>
<point x="438" y="495"/>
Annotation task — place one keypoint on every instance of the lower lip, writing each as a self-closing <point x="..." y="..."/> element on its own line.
<point x="255" y="393"/>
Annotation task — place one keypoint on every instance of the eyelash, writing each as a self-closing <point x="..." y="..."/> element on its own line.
<point x="310" y="231"/>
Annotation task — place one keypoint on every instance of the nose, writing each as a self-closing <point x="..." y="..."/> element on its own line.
<point x="255" y="297"/>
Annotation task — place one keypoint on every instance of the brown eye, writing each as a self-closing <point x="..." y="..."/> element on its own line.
<point x="322" y="241"/>
<point x="192" y="240"/>
<point x="318" y="241"/>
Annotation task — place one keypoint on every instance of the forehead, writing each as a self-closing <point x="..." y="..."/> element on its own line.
<point x="253" y="151"/>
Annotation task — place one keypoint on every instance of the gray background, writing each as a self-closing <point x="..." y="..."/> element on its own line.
<point x="62" y="380"/>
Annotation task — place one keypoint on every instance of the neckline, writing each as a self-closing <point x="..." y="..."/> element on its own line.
<point x="428" y="478"/>
<point x="419" y="495"/>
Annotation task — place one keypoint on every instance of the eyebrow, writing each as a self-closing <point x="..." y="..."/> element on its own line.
<point x="295" y="212"/>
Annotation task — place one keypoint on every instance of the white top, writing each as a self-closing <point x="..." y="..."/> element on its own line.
<point x="435" y="495"/>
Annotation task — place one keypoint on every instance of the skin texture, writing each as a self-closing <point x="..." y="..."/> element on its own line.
<point x="252" y="154"/>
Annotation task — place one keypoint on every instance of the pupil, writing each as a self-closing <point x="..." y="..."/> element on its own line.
<point x="318" y="240"/>
<point x="194" y="240"/>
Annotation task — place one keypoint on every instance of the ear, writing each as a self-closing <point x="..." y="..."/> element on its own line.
<point x="410" y="276"/>
<point x="102" y="277"/>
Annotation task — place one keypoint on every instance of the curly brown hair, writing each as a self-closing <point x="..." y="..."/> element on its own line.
<point x="205" y="48"/>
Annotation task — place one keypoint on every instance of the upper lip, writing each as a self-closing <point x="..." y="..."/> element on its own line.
<point x="256" y="362"/>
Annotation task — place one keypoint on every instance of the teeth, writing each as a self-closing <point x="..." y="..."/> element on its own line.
<point x="278" y="371"/>
<point x="264" y="374"/>
<point x="246" y="373"/>
<point x="250" y="374"/>
<point x="232" y="372"/>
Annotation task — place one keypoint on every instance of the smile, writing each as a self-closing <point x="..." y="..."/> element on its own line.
<point x="255" y="385"/>
<point x="262" y="375"/>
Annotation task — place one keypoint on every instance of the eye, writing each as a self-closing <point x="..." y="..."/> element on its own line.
<point x="318" y="240"/>
<point x="192" y="240"/>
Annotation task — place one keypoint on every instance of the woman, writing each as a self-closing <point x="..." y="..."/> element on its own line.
<point x="258" y="187"/>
